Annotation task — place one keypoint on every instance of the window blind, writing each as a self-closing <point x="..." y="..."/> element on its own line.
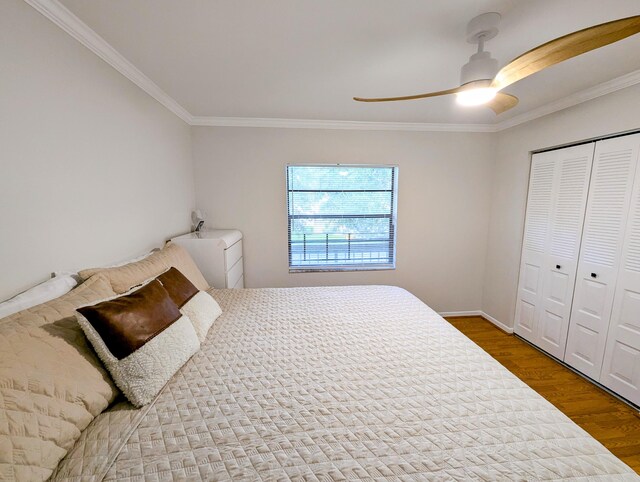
<point x="341" y="217"/>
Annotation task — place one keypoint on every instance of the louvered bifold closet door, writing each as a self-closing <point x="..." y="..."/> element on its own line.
<point x="612" y="178"/>
<point x="534" y="246"/>
<point x="572" y="174"/>
<point x="621" y="366"/>
<point x="555" y="211"/>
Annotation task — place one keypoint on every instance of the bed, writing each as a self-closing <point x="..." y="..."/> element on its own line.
<point x="338" y="383"/>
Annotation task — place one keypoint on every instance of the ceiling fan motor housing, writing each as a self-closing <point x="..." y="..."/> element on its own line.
<point x="481" y="66"/>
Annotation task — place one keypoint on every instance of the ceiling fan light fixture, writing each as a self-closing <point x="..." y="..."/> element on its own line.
<point x="482" y="83"/>
<point x="477" y="96"/>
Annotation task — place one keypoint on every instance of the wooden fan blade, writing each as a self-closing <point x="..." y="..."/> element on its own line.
<point x="409" y="97"/>
<point x="564" y="48"/>
<point x="502" y="102"/>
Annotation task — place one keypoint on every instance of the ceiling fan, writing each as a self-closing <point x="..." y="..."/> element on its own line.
<point x="480" y="80"/>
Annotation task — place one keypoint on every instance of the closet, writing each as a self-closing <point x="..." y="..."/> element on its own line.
<point x="579" y="287"/>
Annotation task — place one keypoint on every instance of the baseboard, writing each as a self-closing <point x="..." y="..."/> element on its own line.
<point x="453" y="314"/>
<point x="489" y="318"/>
<point x="499" y="324"/>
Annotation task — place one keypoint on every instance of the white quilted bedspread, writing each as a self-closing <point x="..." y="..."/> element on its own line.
<point x="335" y="384"/>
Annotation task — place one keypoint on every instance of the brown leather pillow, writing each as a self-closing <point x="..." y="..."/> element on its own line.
<point x="180" y="289"/>
<point x="128" y="322"/>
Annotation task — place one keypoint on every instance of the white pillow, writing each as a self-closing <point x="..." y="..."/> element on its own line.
<point x="132" y="260"/>
<point x="47" y="291"/>
<point x="73" y="274"/>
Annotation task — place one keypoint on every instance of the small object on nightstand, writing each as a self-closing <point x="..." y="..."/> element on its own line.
<point x="218" y="254"/>
<point x="197" y="218"/>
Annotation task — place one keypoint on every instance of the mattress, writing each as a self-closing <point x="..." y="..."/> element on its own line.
<point x="337" y="383"/>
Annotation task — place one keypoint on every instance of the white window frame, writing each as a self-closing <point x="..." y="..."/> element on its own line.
<point x="351" y="267"/>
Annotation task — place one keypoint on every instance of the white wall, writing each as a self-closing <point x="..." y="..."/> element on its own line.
<point x="92" y="169"/>
<point x="443" y="203"/>
<point x="616" y="112"/>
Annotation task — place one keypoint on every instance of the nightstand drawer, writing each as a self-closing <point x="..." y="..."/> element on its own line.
<point x="231" y="256"/>
<point x="234" y="274"/>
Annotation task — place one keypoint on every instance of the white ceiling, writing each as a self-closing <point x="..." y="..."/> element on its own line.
<point x="306" y="59"/>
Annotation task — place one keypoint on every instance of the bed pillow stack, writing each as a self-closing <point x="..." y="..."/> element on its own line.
<point x="53" y="384"/>
<point x="144" y="336"/>
<point x="141" y="337"/>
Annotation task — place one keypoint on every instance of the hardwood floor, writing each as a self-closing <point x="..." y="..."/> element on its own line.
<point x="608" y="420"/>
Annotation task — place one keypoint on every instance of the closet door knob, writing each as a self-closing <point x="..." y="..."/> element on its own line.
<point x="558" y="266"/>
<point x="593" y="275"/>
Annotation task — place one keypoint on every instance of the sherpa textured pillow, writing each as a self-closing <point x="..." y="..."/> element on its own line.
<point x="198" y="305"/>
<point x="142" y="338"/>
<point x="123" y="278"/>
<point x="51" y="383"/>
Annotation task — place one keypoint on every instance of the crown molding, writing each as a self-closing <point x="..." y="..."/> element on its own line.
<point x="67" y="21"/>
<point x="613" y="85"/>
<point x="337" y="124"/>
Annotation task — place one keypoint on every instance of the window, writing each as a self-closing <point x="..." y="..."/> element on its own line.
<point x="341" y="217"/>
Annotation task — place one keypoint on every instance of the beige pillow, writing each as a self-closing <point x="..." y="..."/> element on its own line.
<point x="51" y="383"/>
<point x="141" y="337"/>
<point x="123" y="278"/>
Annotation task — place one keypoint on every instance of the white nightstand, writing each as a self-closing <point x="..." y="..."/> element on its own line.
<point x="218" y="254"/>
